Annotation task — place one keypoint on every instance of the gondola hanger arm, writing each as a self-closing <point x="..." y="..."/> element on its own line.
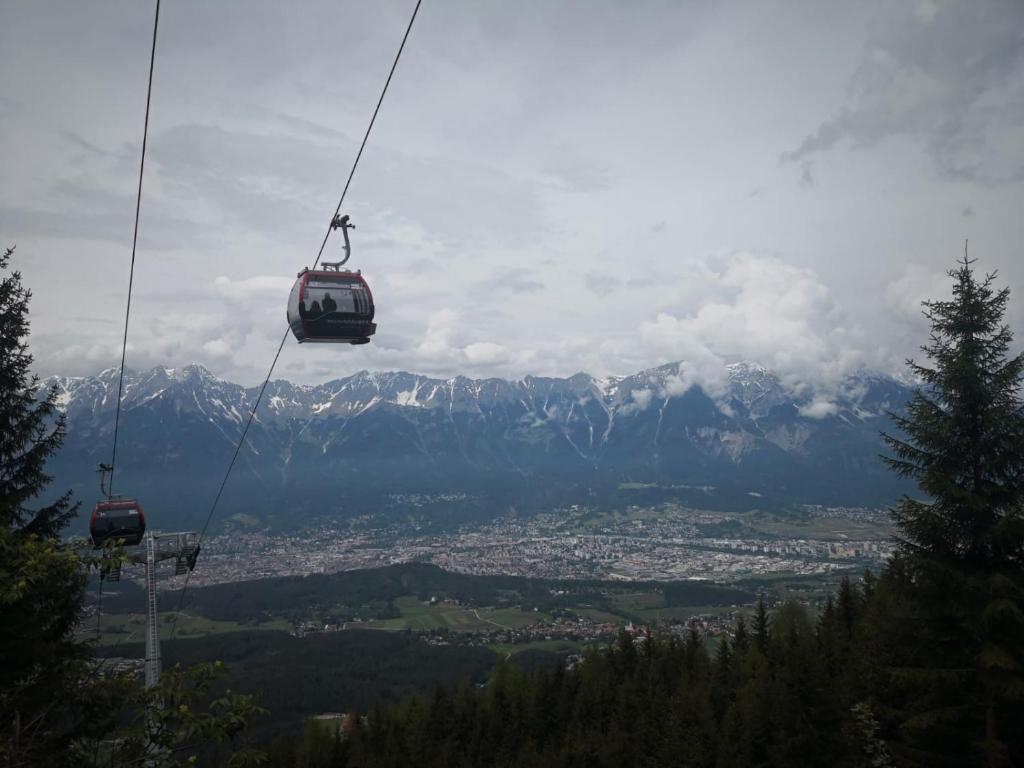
<point x="342" y="223"/>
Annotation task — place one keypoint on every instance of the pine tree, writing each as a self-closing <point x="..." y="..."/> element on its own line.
<point x="722" y="681"/>
<point x="828" y="637"/>
<point x="953" y="598"/>
<point x="56" y="709"/>
<point x="804" y="712"/>
<point x="965" y="430"/>
<point x="31" y="430"/>
<point x="41" y="582"/>
<point x="761" y="630"/>
<point x="742" y="638"/>
<point x="848" y="609"/>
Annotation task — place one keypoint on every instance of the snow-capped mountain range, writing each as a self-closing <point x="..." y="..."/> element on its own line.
<point x="366" y="442"/>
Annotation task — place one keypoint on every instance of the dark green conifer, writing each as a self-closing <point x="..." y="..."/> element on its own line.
<point x="848" y="608"/>
<point x="761" y="628"/>
<point x="41" y="582"/>
<point x="31" y="429"/>
<point x="828" y="640"/>
<point x="722" y="679"/>
<point x="954" y="596"/>
<point x="55" y="710"/>
<point x="741" y="639"/>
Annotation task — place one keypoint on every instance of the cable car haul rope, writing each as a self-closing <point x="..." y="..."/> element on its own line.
<point x="135" y="240"/>
<point x="122" y="519"/>
<point x="327" y="304"/>
<point x="349" y="320"/>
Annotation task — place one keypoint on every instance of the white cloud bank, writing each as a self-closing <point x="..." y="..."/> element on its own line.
<point x="949" y="73"/>
<point x="757" y="307"/>
<point x="714" y="312"/>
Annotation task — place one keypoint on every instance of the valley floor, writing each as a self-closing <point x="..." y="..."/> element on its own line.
<point x="662" y="543"/>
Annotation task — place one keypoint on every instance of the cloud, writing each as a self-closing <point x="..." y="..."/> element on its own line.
<point x="758" y="307"/>
<point x="437" y="339"/>
<point x="512" y="281"/>
<point x="539" y="214"/>
<point x="906" y="294"/>
<point x="819" y="408"/>
<point x="447" y="347"/>
<point x="485" y="353"/>
<point x="948" y="73"/>
<point x="572" y="172"/>
<point x="609" y="282"/>
<point x="640" y="400"/>
<point x="807" y="173"/>
<point x="218" y="349"/>
<point x="599" y="283"/>
<point x="260" y="287"/>
<point x="90" y="148"/>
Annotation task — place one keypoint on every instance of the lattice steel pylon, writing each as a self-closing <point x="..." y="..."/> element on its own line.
<point x="183" y="548"/>
<point x="152" y="625"/>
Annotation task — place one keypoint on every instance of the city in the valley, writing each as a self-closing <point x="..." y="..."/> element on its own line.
<point x="665" y="543"/>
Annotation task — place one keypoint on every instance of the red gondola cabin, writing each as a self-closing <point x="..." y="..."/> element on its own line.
<point x="331" y="305"/>
<point x="117" y="519"/>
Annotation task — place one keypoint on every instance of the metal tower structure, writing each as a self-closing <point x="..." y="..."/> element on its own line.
<point x="181" y="547"/>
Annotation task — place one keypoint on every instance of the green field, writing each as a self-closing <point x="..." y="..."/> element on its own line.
<point x="416" y="615"/>
<point x="120" y="628"/>
<point x="680" y="612"/>
<point x="419" y="615"/>
<point x="807" y="588"/>
<point x="632" y="602"/>
<point x="388" y="599"/>
<point x="596" y="614"/>
<point x="813" y="527"/>
<point x="555" y="646"/>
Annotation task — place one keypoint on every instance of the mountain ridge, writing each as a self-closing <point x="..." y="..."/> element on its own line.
<point x="346" y="446"/>
<point x="751" y="383"/>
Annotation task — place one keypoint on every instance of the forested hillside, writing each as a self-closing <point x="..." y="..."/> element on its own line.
<point x="294" y="678"/>
<point x="778" y="695"/>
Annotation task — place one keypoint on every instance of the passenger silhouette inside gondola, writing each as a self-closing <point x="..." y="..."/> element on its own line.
<point x="330" y="305"/>
<point x="314" y="309"/>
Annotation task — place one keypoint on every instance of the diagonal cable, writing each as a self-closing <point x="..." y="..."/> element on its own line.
<point x="135" y="240"/>
<point x="131" y="280"/>
<point x="284" y="338"/>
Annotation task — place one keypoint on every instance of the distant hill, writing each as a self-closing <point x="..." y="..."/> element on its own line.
<point x="467" y="448"/>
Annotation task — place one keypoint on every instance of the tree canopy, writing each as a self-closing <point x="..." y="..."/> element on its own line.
<point x="58" y="705"/>
<point x="950" y="614"/>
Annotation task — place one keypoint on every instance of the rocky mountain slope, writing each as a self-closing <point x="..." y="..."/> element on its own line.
<point x="386" y="442"/>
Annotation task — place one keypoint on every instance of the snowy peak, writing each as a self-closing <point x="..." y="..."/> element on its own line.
<point x="751" y="387"/>
<point x="756" y="388"/>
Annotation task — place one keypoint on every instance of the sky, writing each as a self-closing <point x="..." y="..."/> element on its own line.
<point x="549" y="187"/>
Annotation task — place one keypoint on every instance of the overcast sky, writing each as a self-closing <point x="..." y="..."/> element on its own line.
<point x="550" y="186"/>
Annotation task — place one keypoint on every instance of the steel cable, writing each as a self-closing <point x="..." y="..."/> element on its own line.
<point x="135" y="240"/>
<point x="284" y="338"/>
